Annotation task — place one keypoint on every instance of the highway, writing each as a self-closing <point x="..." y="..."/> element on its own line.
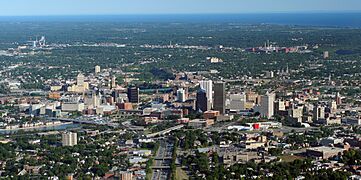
<point x="166" y="131"/>
<point x="162" y="161"/>
<point x="129" y="126"/>
<point x="85" y="122"/>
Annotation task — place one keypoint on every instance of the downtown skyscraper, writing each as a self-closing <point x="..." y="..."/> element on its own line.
<point x="219" y="97"/>
<point x="208" y="87"/>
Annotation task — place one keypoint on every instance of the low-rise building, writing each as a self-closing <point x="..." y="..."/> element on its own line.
<point x="200" y="123"/>
<point x="210" y="114"/>
<point x="324" y="152"/>
<point x="352" y="121"/>
<point x="330" y="141"/>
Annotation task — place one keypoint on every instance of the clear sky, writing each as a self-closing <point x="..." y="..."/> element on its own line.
<point x="114" y="7"/>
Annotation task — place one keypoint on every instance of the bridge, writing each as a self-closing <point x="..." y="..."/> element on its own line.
<point x="135" y="128"/>
<point x="129" y="126"/>
<point x="163" y="158"/>
<point x="160" y="167"/>
<point x="166" y="131"/>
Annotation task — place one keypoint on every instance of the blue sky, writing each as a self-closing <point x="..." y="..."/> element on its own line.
<point x="112" y="7"/>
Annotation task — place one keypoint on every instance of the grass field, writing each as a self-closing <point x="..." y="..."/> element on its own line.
<point x="290" y="158"/>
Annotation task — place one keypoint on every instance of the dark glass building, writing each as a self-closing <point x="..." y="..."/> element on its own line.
<point x="133" y="95"/>
<point x="219" y="97"/>
<point x="202" y="101"/>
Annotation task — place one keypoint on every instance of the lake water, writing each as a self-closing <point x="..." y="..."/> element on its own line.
<point x="339" y="19"/>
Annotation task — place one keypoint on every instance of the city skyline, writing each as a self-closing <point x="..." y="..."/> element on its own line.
<point x="113" y="7"/>
<point x="180" y="89"/>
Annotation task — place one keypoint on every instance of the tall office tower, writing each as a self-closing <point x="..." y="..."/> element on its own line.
<point x="220" y="97"/>
<point x="280" y="105"/>
<point x="97" y="69"/>
<point x="95" y="100"/>
<point x="267" y="105"/>
<point x="338" y="99"/>
<point x="133" y="94"/>
<point x="296" y="113"/>
<point x="181" y="95"/>
<point x="81" y="86"/>
<point x="80" y="79"/>
<point x="208" y="87"/>
<point x="114" y="83"/>
<point x="115" y="95"/>
<point x="333" y="106"/>
<point x="202" y="101"/>
<point x="318" y="112"/>
<point x="326" y="55"/>
<point x="69" y="139"/>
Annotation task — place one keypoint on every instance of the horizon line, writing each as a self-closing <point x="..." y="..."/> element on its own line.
<point x="213" y="13"/>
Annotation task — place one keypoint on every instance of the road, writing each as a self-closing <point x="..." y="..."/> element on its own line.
<point x="128" y="125"/>
<point x="162" y="161"/>
<point x="84" y="121"/>
<point x="165" y="131"/>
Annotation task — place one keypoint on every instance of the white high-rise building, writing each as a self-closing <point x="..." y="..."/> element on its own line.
<point x="267" y="105"/>
<point x="69" y="139"/>
<point x="80" y="79"/>
<point x="181" y="95"/>
<point x="80" y="86"/>
<point x="326" y="55"/>
<point x="208" y="87"/>
<point x="114" y="82"/>
<point x="95" y="100"/>
<point x="97" y="69"/>
<point x="333" y="106"/>
<point x="280" y="105"/>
